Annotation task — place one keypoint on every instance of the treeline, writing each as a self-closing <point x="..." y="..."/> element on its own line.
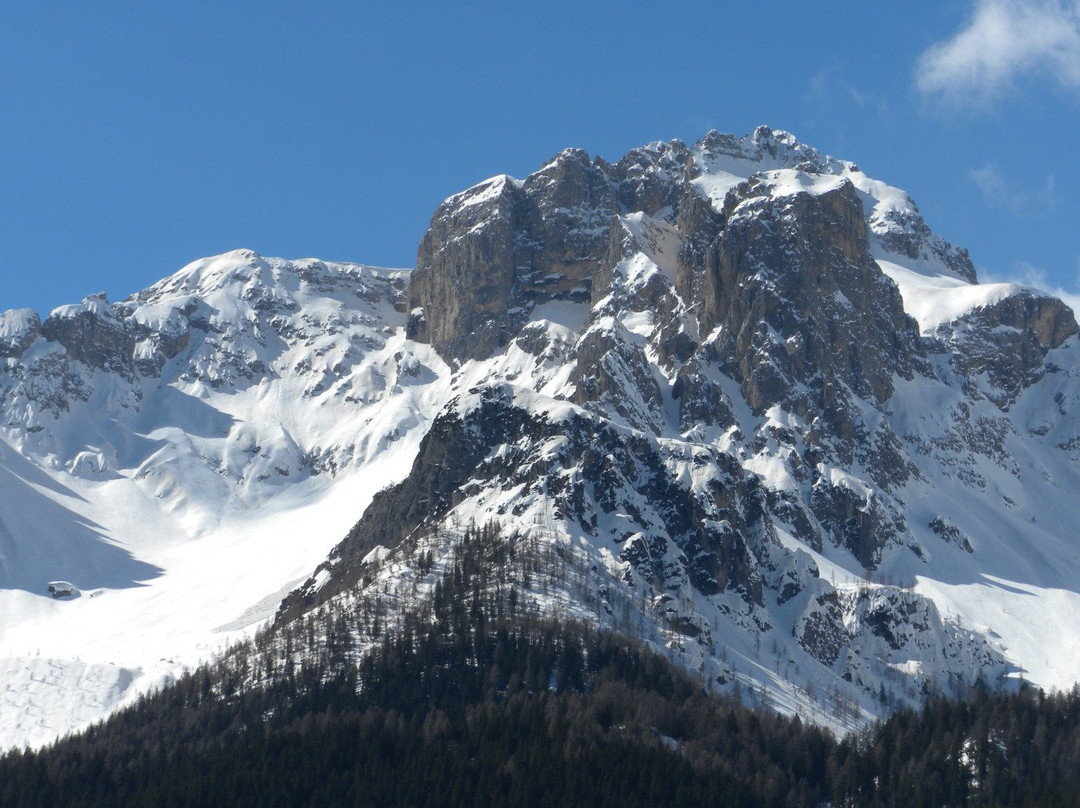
<point x="468" y="698"/>
<point x="1020" y="749"/>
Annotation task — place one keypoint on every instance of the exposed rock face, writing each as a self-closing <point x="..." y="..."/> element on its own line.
<point x="1008" y="341"/>
<point x="904" y="232"/>
<point x="799" y="300"/>
<point x="702" y="399"/>
<point x="91" y="334"/>
<point x="577" y="469"/>
<point x="613" y="372"/>
<point x="496" y="251"/>
<point x="765" y="266"/>
<point x="843" y="630"/>
<point x="698" y="224"/>
<point x="951" y="533"/>
<point x="654" y="179"/>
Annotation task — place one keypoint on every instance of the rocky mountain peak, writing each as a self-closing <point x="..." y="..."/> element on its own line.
<point x="1001" y="348"/>
<point x="772" y="148"/>
<point x="217" y="328"/>
<point x="497" y="253"/>
<point x="738" y="394"/>
<point x="709" y="365"/>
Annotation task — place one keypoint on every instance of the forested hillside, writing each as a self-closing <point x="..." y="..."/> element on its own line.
<point x="475" y="704"/>
<point x="471" y="700"/>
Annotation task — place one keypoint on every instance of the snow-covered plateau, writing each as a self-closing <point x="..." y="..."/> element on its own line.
<point x="787" y="435"/>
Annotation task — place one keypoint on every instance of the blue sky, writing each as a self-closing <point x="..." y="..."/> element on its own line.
<point x="136" y="137"/>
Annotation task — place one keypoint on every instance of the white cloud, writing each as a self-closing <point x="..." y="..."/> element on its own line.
<point x="998" y="192"/>
<point x="1030" y="275"/>
<point x="1005" y="40"/>
<point x="819" y="83"/>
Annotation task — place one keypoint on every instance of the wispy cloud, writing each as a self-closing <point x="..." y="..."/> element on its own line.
<point x="998" y="192"/>
<point x="1027" y="274"/>
<point x="991" y="183"/>
<point x="1004" y="40"/>
<point x="828" y="84"/>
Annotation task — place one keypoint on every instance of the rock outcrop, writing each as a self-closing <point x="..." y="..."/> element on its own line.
<point x="800" y="303"/>
<point x="18" y="330"/>
<point x="1008" y="342"/>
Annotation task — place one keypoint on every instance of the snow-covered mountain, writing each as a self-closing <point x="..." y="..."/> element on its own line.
<point x="775" y="422"/>
<point x="183" y="458"/>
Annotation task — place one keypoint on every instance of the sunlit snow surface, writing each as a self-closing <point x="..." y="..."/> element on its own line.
<point x="210" y="494"/>
<point x="935" y="296"/>
<point x="183" y="503"/>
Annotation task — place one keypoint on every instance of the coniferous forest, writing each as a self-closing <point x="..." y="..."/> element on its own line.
<point x="473" y="701"/>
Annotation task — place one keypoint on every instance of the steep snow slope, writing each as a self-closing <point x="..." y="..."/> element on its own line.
<point x="183" y="458"/>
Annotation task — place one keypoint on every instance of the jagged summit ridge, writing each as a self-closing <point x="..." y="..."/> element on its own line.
<point x="530" y="242"/>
